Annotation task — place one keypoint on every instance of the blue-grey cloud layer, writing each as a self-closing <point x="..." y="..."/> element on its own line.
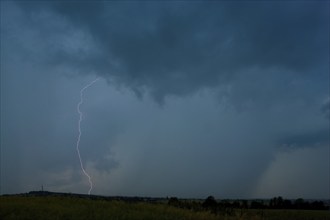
<point x="177" y="48"/>
<point x="237" y="83"/>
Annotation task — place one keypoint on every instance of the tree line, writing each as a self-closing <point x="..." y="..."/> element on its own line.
<point x="228" y="206"/>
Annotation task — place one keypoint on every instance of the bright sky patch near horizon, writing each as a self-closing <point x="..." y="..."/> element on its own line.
<point x="229" y="99"/>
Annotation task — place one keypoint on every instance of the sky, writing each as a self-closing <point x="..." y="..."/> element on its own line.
<point x="194" y="98"/>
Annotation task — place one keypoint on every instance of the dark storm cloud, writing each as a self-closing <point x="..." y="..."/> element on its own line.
<point x="179" y="47"/>
<point x="237" y="80"/>
<point x="308" y="139"/>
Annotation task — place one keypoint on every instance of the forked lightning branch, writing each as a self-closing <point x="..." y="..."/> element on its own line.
<point x="79" y="133"/>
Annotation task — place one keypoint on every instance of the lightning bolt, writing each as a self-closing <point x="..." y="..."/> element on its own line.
<point x="79" y="135"/>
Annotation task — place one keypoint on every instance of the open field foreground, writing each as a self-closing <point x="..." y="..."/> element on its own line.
<point x="55" y="207"/>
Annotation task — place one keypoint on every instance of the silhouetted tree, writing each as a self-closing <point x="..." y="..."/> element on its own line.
<point x="211" y="204"/>
<point x="276" y="203"/>
<point x="299" y="203"/>
<point x="287" y="204"/>
<point x="317" y="205"/>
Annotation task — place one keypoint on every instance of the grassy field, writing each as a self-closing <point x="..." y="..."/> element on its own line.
<point x="55" y="207"/>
